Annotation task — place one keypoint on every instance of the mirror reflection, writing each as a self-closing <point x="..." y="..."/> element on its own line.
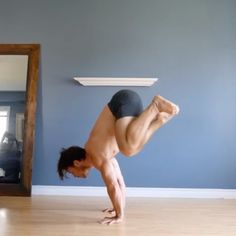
<point x="13" y="76"/>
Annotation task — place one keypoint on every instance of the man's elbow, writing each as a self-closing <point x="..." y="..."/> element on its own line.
<point x="113" y="189"/>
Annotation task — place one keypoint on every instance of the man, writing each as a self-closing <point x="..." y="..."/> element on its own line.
<point x="123" y="127"/>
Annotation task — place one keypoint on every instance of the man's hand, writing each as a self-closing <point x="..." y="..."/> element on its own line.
<point x="109" y="210"/>
<point x="110" y="220"/>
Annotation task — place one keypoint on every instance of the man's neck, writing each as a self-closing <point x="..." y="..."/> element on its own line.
<point x="88" y="162"/>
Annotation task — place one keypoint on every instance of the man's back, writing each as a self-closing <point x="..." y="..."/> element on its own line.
<point x="102" y="145"/>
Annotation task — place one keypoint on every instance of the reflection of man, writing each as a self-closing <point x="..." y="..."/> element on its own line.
<point x="9" y="142"/>
<point x="2" y="173"/>
<point x="123" y="127"/>
<point x="10" y="159"/>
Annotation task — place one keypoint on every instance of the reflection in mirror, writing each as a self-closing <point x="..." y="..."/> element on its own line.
<point x="18" y="98"/>
<point x="13" y="77"/>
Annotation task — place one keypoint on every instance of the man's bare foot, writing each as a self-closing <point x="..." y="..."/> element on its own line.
<point x="164" y="117"/>
<point x="165" y="105"/>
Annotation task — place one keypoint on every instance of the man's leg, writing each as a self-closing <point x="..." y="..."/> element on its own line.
<point x="133" y="132"/>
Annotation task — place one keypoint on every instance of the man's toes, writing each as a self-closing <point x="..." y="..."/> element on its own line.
<point x="175" y="110"/>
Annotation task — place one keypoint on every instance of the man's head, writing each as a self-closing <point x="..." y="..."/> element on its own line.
<point x="71" y="160"/>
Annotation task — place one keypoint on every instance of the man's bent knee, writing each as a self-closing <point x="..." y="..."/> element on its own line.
<point x="129" y="152"/>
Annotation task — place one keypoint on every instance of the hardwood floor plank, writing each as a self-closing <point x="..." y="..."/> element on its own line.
<point x="50" y="215"/>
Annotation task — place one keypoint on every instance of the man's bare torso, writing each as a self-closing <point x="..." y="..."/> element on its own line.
<point x="101" y="145"/>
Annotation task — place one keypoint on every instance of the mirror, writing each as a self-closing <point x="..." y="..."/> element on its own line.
<point x="19" y="65"/>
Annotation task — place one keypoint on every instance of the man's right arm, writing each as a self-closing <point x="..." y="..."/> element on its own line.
<point x="110" y="178"/>
<point x="120" y="179"/>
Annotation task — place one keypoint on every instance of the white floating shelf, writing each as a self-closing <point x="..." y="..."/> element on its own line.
<point x="99" y="81"/>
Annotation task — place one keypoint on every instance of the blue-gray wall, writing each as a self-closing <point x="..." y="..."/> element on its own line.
<point x="189" y="44"/>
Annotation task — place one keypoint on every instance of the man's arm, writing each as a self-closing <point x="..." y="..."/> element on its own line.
<point x="121" y="182"/>
<point x="109" y="176"/>
<point x="120" y="179"/>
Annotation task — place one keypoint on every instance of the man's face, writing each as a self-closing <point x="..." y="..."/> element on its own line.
<point x="78" y="171"/>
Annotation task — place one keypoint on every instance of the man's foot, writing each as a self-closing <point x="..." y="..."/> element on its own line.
<point x="166" y="106"/>
<point x="164" y="117"/>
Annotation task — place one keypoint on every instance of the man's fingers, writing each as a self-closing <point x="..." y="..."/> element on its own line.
<point x="104" y="220"/>
<point x="110" y="220"/>
<point x="108" y="210"/>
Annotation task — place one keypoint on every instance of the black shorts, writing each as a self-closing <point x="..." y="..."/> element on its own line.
<point x="125" y="103"/>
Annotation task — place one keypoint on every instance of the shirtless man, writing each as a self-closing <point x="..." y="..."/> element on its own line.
<point x="123" y="127"/>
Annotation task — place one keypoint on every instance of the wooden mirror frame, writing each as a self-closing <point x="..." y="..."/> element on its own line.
<point x="33" y="51"/>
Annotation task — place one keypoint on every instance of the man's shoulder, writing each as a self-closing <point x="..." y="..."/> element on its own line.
<point x="101" y="164"/>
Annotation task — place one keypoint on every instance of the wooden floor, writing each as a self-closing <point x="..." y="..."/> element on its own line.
<point x="49" y="216"/>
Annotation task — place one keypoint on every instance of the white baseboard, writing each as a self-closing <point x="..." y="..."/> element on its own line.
<point x="134" y="192"/>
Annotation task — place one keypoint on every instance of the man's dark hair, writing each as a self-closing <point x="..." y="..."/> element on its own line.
<point x="67" y="158"/>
